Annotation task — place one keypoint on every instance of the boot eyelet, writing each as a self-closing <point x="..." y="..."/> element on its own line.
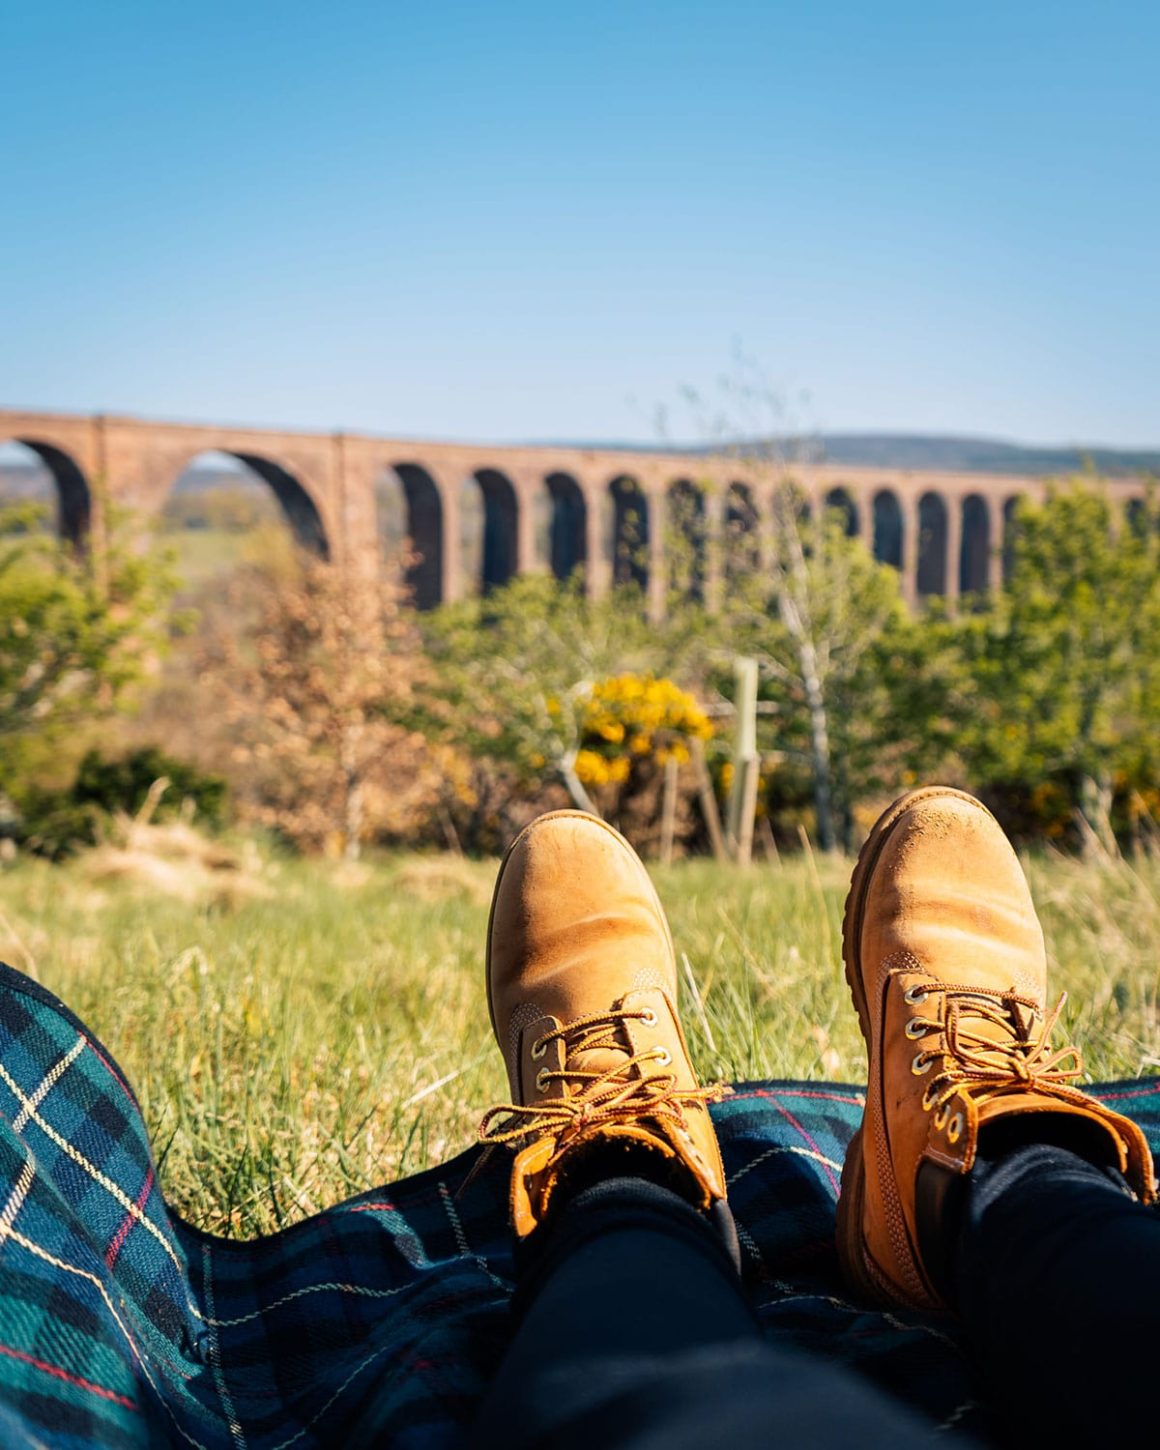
<point x="915" y="996"/>
<point x="928" y="1100"/>
<point x="916" y="1028"/>
<point x="921" y="1064"/>
<point x="663" y="1056"/>
<point x="539" y="1047"/>
<point x="542" y="1080"/>
<point x="648" y="1017"/>
<point x="955" y="1129"/>
<point x="940" y="1118"/>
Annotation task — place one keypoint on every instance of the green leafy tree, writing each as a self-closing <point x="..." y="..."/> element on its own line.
<point x="922" y="664"/>
<point x="513" y="667"/>
<point x="73" y="640"/>
<point x="814" y="608"/>
<point x="816" y="620"/>
<point x="1066" y="660"/>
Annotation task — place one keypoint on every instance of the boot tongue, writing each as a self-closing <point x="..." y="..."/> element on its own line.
<point x="1025" y="1020"/>
<point x="599" y="1059"/>
<point x="977" y="1028"/>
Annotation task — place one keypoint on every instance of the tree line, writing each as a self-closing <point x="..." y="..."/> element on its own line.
<point x="341" y="718"/>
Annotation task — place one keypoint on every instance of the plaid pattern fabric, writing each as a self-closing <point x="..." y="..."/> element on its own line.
<point x="378" y="1321"/>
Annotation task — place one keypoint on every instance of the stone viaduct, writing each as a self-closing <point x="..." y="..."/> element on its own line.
<point x="552" y="509"/>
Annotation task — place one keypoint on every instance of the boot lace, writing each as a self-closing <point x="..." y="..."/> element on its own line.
<point x="977" y="1063"/>
<point x="620" y="1094"/>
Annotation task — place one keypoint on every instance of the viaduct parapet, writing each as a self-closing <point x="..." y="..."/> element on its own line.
<point x="546" y="509"/>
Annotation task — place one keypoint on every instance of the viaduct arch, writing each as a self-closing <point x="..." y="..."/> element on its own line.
<point x="607" y="513"/>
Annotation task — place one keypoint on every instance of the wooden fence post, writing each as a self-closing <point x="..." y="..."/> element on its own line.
<point x="708" y="799"/>
<point x="669" y="811"/>
<point x="743" y="790"/>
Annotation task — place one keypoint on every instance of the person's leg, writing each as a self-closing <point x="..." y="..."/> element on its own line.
<point x="633" y="1329"/>
<point x="1057" y="1279"/>
<point x="981" y="1177"/>
<point x="634" y="1332"/>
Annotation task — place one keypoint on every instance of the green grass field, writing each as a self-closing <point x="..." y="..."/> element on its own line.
<point x="329" y="1033"/>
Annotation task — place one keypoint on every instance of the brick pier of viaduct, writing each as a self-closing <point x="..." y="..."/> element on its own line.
<point x="552" y="509"/>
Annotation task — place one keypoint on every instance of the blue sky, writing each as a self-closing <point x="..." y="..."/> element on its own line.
<point x="516" y="221"/>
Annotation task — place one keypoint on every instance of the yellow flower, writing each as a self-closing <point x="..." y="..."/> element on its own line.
<point x="643" y="713"/>
<point x="591" y="768"/>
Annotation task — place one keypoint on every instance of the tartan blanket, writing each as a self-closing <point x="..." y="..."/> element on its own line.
<point x="379" y="1321"/>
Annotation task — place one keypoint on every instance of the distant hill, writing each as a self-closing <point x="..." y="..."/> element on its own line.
<point x="917" y="451"/>
<point x="980" y="455"/>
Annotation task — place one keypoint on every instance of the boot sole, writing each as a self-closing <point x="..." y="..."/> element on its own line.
<point x="856" y="1258"/>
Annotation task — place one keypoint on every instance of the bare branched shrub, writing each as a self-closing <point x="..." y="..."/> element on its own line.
<point x="314" y="694"/>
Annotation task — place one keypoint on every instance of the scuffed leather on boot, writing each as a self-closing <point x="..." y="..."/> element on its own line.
<point x="946" y="964"/>
<point x="582" y="989"/>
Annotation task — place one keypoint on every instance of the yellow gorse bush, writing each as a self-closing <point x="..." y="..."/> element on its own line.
<point x="634" y="717"/>
<point x="595" y="769"/>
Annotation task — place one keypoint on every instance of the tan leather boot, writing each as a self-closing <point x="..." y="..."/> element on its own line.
<point x="945" y="960"/>
<point x="582" y="989"/>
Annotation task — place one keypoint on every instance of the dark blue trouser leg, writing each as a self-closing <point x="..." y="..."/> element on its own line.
<point x="635" y="1336"/>
<point x="1058" y="1285"/>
